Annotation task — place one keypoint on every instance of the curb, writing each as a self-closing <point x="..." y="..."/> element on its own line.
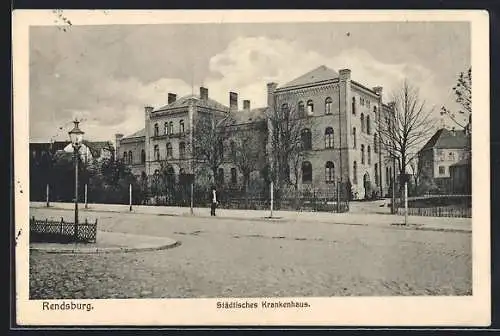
<point x="95" y="250"/>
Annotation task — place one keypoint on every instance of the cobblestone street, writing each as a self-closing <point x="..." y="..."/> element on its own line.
<point x="244" y="258"/>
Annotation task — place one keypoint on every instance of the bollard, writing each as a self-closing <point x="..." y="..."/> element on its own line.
<point x="86" y="196"/>
<point x="130" y="197"/>
<point x="272" y="198"/>
<point x="47" y="195"/>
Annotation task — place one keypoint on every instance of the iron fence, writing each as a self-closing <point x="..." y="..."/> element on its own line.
<point x="438" y="212"/>
<point x="62" y="232"/>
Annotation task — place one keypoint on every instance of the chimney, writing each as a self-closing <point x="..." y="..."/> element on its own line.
<point x="203" y="93"/>
<point x="271" y="87"/>
<point x="378" y="90"/>
<point x="172" y="97"/>
<point x="345" y="74"/>
<point x="246" y="105"/>
<point x="233" y="101"/>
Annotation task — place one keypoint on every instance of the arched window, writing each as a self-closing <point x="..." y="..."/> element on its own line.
<point x="301" y="107"/>
<point x="130" y="157"/>
<point x="143" y="156"/>
<point x="181" y="126"/>
<point x="362" y="154"/>
<point x="375" y="143"/>
<point x="355" y="172"/>
<point x="329" y="137"/>
<point x="328" y="105"/>
<point x="354" y="137"/>
<point x="369" y="154"/>
<point x="376" y="174"/>
<point x="353" y="105"/>
<point x="125" y="157"/>
<point x="329" y="172"/>
<point x="234" y="177"/>
<point x="310" y="107"/>
<point x="221" y="148"/>
<point x="169" y="150"/>
<point x="284" y="110"/>
<point x="171" y="127"/>
<point x="362" y="122"/>
<point x="375" y="113"/>
<point x="155" y="130"/>
<point x="306" y="139"/>
<point x="157" y="152"/>
<point x="368" y="126"/>
<point x="182" y="150"/>
<point x="166" y="128"/>
<point x="306" y="172"/>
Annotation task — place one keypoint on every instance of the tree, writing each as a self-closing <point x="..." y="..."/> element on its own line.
<point x="248" y="153"/>
<point x="209" y="134"/>
<point x="288" y="145"/>
<point x="407" y="127"/>
<point x="463" y="96"/>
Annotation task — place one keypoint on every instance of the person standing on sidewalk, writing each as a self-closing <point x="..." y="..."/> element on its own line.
<point x="214" y="201"/>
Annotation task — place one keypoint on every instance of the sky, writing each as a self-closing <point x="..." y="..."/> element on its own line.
<point x="106" y="74"/>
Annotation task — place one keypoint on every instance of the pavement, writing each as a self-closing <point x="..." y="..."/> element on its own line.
<point x="350" y="218"/>
<point x="108" y="242"/>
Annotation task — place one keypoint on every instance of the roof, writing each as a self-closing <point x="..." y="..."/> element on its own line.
<point x="444" y="138"/>
<point x="320" y="74"/>
<point x="252" y="115"/>
<point x="137" y="134"/>
<point x="96" y="147"/>
<point x="197" y="101"/>
<point x="54" y="146"/>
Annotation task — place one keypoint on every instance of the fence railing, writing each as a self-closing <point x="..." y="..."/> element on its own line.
<point x="61" y="231"/>
<point x="438" y="212"/>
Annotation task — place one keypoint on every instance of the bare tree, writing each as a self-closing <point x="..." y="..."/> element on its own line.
<point x="289" y="143"/>
<point x="463" y="96"/>
<point x="209" y="133"/>
<point x="248" y="151"/>
<point x="407" y="127"/>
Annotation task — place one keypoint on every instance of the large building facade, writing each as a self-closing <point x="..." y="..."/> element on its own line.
<point x="340" y="140"/>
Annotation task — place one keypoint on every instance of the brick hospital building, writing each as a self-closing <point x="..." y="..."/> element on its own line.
<point x="341" y="141"/>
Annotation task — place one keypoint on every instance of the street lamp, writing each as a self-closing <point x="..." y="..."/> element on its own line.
<point x="76" y="136"/>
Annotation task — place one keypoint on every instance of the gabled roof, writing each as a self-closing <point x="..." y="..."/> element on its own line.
<point x="137" y="134"/>
<point x="320" y="74"/>
<point x="446" y="139"/>
<point x="195" y="100"/>
<point x="253" y="115"/>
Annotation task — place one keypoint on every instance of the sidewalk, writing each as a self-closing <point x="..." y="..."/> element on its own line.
<point x="108" y="242"/>
<point x="384" y="220"/>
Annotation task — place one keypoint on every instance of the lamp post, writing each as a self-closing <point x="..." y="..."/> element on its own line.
<point x="76" y="136"/>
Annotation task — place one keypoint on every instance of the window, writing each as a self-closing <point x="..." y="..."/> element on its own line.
<point x="376" y="174"/>
<point x="367" y="103"/>
<point x="182" y="150"/>
<point x="362" y="101"/>
<point x="451" y="156"/>
<point x="353" y="105"/>
<point x="284" y="110"/>
<point x="362" y="122"/>
<point x="387" y="176"/>
<point x="306" y="139"/>
<point x="375" y="143"/>
<point x="220" y="175"/>
<point x="169" y="150"/>
<point x="329" y="137"/>
<point x="354" y="140"/>
<point x="130" y="157"/>
<point x="181" y="126"/>
<point x="362" y="154"/>
<point x="155" y="130"/>
<point x="233" y="149"/>
<point x="328" y="105"/>
<point x="171" y="127"/>
<point x="329" y="172"/>
<point x="166" y="128"/>
<point x="157" y="152"/>
<point x="369" y="154"/>
<point x="310" y="107"/>
<point x="143" y="156"/>
<point x="375" y="112"/>
<point x="221" y="149"/>
<point x="233" y="176"/>
<point x="301" y="109"/>
<point x="368" y="126"/>
<point x="125" y="157"/>
<point x="306" y="172"/>
<point x="441" y="170"/>
<point x="355" y="172"/>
